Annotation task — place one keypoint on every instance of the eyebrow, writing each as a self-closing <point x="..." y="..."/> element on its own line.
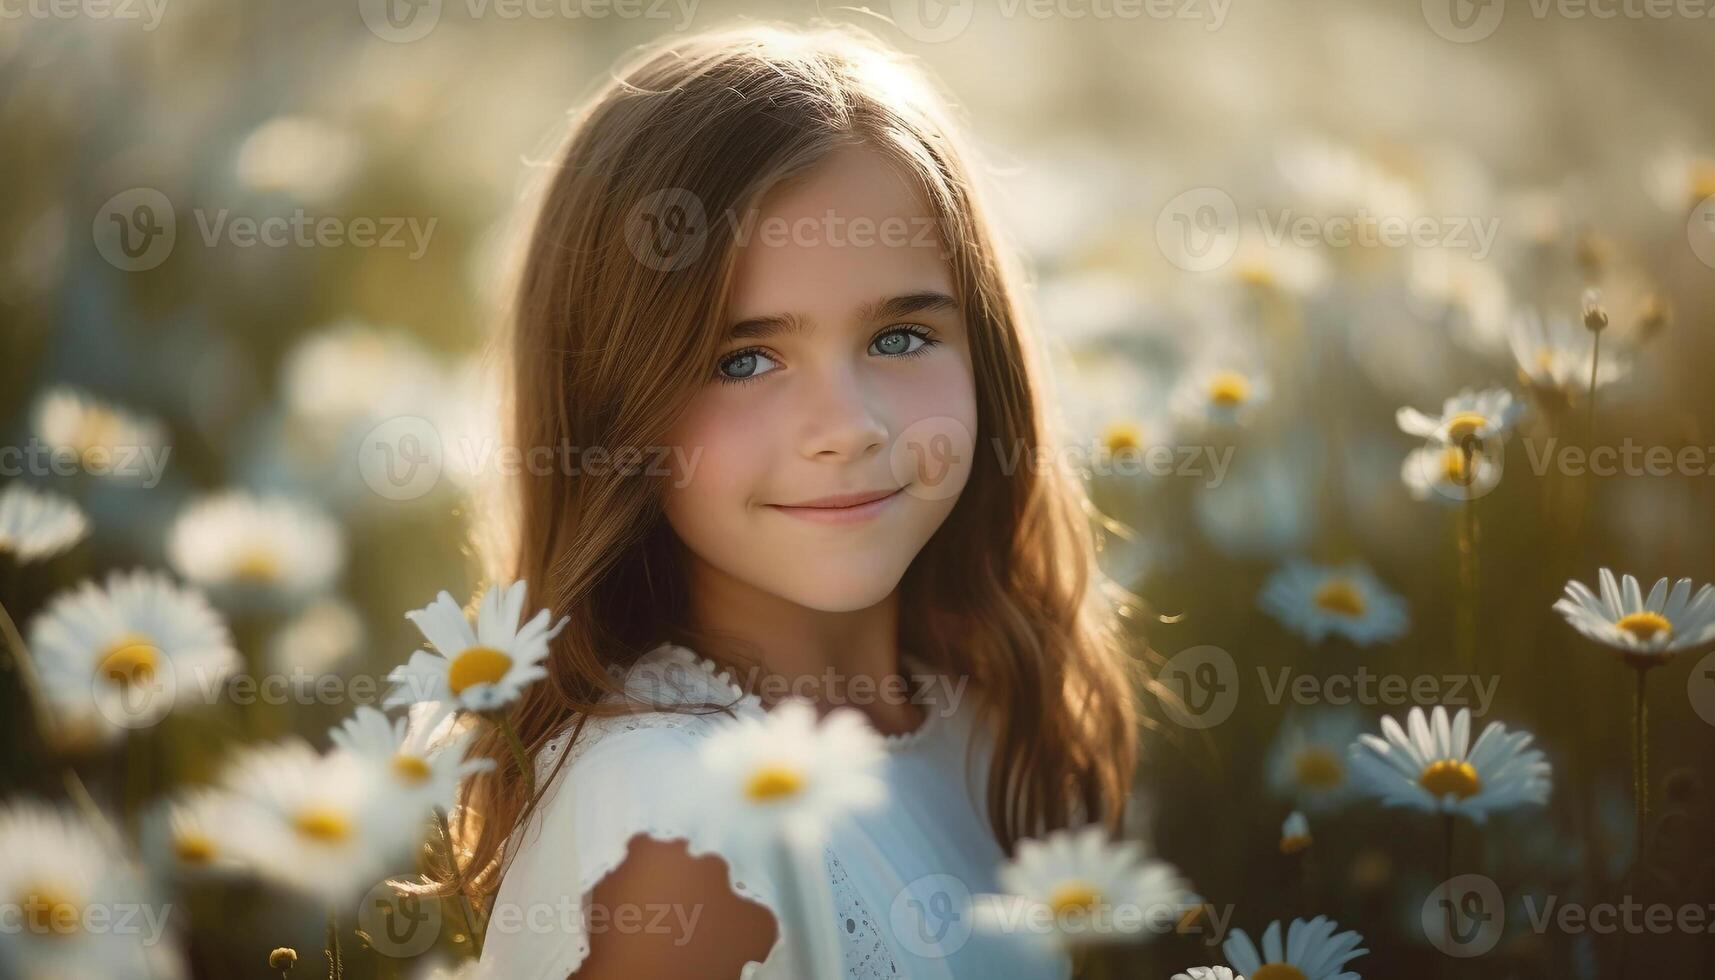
<point x="894" y="307"/>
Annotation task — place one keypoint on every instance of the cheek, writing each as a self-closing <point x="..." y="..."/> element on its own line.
<point x="715" y="465"/>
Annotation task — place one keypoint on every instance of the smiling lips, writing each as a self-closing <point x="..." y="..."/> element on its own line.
<point x="845" y="508"/>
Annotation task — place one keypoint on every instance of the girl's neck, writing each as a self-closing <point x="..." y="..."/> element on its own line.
<point x="778" y="648"/>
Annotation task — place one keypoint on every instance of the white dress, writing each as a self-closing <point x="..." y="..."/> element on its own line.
<point x="901" y="875"/>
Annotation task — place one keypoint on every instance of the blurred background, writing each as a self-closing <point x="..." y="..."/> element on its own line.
<point x="1197" y="186"/>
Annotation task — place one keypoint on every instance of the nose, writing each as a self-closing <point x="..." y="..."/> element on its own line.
<point x="840" y="417"/>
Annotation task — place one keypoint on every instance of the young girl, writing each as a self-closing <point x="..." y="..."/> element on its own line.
<point x="761" y="261"/>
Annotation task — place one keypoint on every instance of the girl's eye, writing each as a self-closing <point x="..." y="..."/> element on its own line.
<point x="744" y="365"/>
<point x="901" y="341"/>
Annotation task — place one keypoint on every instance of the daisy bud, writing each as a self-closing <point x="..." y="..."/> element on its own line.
<point x="1595" y="314"/>
<point x="283" y="959"/>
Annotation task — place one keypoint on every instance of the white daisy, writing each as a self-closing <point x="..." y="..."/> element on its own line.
<point x="124" y="655"/>
<point x="354" y="374"/>
<point x="1650" y="628"/>
<point x="417" y="766"/>
<point x="1446" y="474"/>
<point x="1295" y="833"/>
<point x="35" y="524"/>
<point x="1207" y="973"/>
<point x="1434" y="767"/>
<point x="1313" y="951"/>
<point x="1076" y="886"/>
<point x="71" y="906"/>
<point x="320" y="824"/>
<point x="476" y="669"/>
<point x="107" y="441"/>
<point x="1553" y="356"/>
<point x="1220" y="395"/>
<point x="181" y="836"/>
<point x="1479" y="415"/>
<point x="1348" y="600"/>
<point x="249" y="546"/>
<point x="1680" y="180"/>
<point x="787" y="770"/>
<point x="316" y="639"/>
<point x="1307" y="763"/>
<point x="1284" y="266"/>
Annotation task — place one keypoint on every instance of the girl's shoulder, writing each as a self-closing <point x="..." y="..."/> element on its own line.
<point x="622" y="777"/>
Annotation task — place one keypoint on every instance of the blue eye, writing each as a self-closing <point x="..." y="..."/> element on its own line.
<point x="744" y="365"/>
<point x="901" y="342"/>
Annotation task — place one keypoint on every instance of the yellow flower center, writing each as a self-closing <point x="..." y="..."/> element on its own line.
<point x="1318" y="768"/>
<point x="411" y="768"/>
<point x="477" y="665"/>
<point x="1278" y="971"/>
<point x="129" y="660"/>
<point x="772" y="783"/>
<point x="257" y="564"/>
<point x="1453" y="468"/>
<point x="1229" y="389"/>
<point x="1122" y="436"/>
<point x="1074" y="896"/>
<point x="49" y="912"/>
<point x="322" y="825"/>
<point x="1466" y="424"/>
<point x="99" y="432"/>
<point x="1450" y="777"/>
<point x="194" y="848"/>
<point x="1702" y="179"/>
<point x="1546" y="359"/>
<point x="1646" y="626"/>
<point x="1294" y="843"/>
<point x="1256" y="273"/>
<point x="1340" y="597"/>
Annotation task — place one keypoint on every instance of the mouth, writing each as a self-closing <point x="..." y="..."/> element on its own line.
<point x="845" y="508"/>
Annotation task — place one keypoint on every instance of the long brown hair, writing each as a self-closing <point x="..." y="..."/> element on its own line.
<point x="607" y="344"/>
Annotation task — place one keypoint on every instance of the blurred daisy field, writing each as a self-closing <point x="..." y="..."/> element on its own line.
<point x="1378" y="332"/>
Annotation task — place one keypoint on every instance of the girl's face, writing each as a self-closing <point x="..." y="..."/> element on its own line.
<point x="835" y="432"/>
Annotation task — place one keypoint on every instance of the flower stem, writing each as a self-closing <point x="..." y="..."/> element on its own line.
<point x="336" y="963"/>
<point x="27" y="678"/>
<point x="1595" y="360"/>
<point x="1468" y="537"/>
<point x="1640" y="766"/>
<point x="458" y="881"/>
<point x="1447" y="827"/>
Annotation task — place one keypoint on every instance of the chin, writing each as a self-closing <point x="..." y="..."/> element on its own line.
<point x="853" y="586"/>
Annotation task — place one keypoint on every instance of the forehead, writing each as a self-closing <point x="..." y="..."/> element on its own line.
<point x="851" y="229"/>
